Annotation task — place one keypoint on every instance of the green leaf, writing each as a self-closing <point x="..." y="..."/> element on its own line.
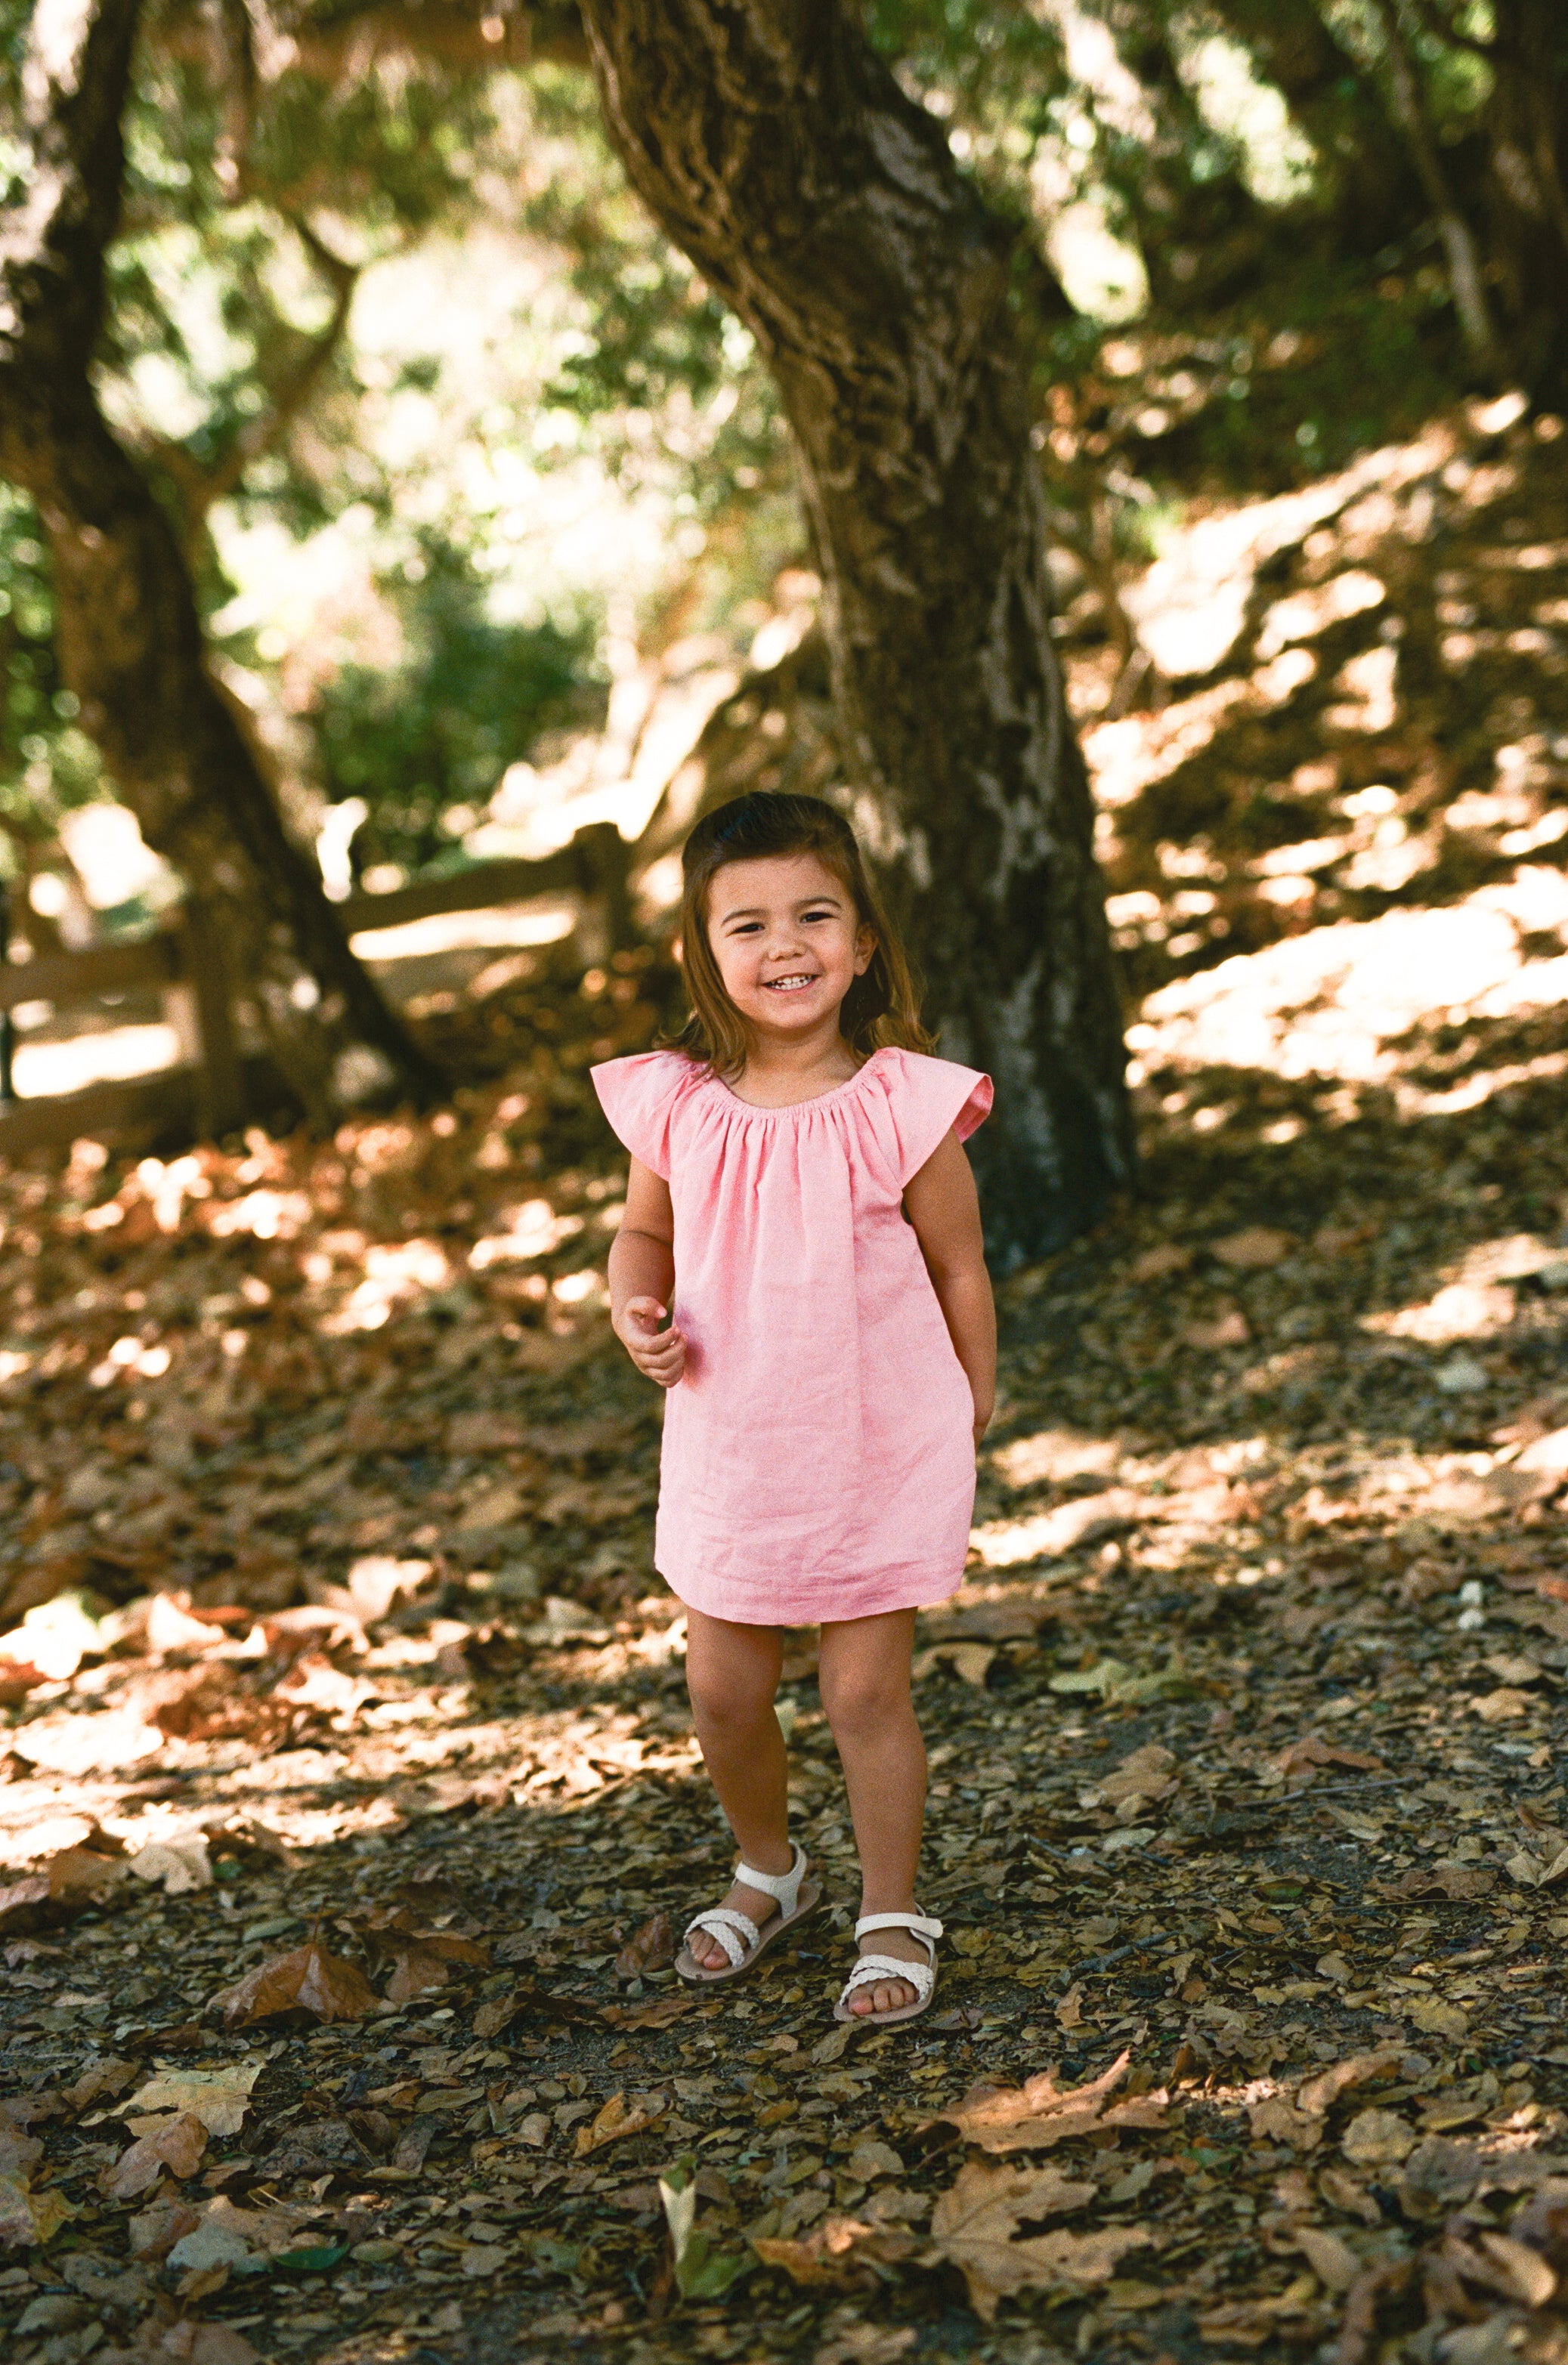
<point x="1100" y="1677"/>
<point x="700" y="2271"/>
<point x="311" y="2262"/>
<point x="706" y="2274"/>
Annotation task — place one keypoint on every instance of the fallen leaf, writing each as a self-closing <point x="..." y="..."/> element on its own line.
<point x="23" y="1905"/>
<point x="307" y="1979"/>
<point x="1498" y="1706"/>
<point x="1435" y="2018"/>
<point x="977" y="2227"/>
<point x="1230" y="1328"/>
<point x="1378" y="2139"/>
<point x="658" y="2013"/>
<point x="1303" y="1756"/>
<point x="177" y="2148"/>
<point x="180" y="1862"/>
<point x="219" y="2098"/>
<point x="651" y="1948"/>
<point x="970" y="1662"/>
<point x="1344" y="2191"/>
<point x="1456" y="1880"/>
<point x="1358" y="2330"/>
<point x="1319" y="2094"/>
<point x="1157" y="1263"/>
<point x="1039" y="2114"/>
<point x="414" y="2143"/>
<point x="154" y="2231"/>
<point x="1069" y="2011"/>
<point x="428" y="1964"/>
<point x="1277" y="2119"/>
<point x="28" y="2218"/>
<point x="619" y="2118"/>
<point x="100" y="2078"/>
<point x="701" y="2271"/>
<point x="840" y="2253"/>
<point x="1254" y="1249"/>
<point x="1147" y="1773"/>
<point x="17" y="1679"/>
<point x="1332" y="2260"/>
<point x="1523" y="2272"/>
<point x="1511" y="1667"/>
<point x="209" y="2244"/>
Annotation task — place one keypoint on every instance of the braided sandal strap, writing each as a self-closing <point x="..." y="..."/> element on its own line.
<point x="872" y="1970"/>
<point x="736" y="1932"/>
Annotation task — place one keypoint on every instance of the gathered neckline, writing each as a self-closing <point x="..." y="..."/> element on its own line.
<point x="789" y="1108"/>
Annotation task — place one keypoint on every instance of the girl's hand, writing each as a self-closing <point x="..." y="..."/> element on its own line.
<point x="660" y="1354"/>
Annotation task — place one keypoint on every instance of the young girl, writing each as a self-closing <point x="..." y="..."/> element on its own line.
<point x="797" y="1197"/>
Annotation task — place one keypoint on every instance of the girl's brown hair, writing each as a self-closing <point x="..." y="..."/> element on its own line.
<point x="881" y="1007"/>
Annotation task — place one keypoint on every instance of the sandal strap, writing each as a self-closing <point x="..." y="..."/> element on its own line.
<point x="785" y="1886"/>
<point x="736" y="1932"/>
<point x="872" y="1970"/>
<point x="922" y="1925"/>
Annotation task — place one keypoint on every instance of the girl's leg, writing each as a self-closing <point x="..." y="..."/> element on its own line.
<point x="731" y="1673"/>
<point x="864" y="1678"/>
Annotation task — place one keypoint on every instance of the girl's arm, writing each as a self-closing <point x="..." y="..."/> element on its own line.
<point x="642" y="1278"/>
<point x="942" y="1204"/>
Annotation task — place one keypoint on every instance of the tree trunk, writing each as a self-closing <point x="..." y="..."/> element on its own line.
<point x="1375" y="197"/>
<point x="1527" y="194"/>
<point x="826" y="208"/>
<point x="129" y="635"/>
<point x="1466" y="278"/>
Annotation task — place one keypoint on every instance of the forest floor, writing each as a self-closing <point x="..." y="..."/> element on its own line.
<point x="347" y="1796"/>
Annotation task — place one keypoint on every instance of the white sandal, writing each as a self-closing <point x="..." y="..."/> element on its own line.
<point x="741" y="1939"/>
<point x="872" y="1970"/>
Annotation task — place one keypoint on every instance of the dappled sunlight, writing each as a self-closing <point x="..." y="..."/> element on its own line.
<point x="1341" y="1001"/>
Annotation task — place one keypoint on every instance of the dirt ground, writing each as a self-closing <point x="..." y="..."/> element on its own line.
<point x="348" y="1807"/>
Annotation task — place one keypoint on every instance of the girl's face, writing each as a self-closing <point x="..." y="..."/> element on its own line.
<point x="787" y="940"/>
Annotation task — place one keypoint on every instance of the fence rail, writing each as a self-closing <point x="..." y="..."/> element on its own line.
<point x="213" y="1084"/>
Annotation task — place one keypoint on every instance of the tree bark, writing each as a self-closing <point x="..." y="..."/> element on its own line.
<point x="128" y="632"/>
<point x="826" y="208"/>
<point x="1466" y="278"/>
<point x="1527" y="188"/>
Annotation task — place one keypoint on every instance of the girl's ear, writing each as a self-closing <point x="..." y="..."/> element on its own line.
<point x="864" y="947"/>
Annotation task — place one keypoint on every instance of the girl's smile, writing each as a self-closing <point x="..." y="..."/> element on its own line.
<point x="788" y="941"/>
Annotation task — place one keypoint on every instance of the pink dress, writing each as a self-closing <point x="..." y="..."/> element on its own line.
<point x="818" y="1457"/>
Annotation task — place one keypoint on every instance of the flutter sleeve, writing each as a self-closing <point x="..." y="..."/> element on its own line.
<point x="637" y="1095"/>
<point x="930" y="1098"/>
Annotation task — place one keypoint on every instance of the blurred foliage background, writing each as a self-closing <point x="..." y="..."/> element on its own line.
<point x="457" y="444"/>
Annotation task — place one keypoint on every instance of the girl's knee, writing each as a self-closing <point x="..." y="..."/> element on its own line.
<point x="857" y="1700"/>
<point x="720" y="1703"/>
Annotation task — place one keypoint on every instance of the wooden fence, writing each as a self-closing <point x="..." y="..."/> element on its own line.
<point x="214" y="1084"/>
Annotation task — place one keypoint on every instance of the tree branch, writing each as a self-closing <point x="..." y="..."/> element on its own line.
<point x="128" y="633"/>
<point x="336" y="39"/>
<point x="202" y="487"/>
<point x="1411" y="114"/>
<point x="1441" y="25"/>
